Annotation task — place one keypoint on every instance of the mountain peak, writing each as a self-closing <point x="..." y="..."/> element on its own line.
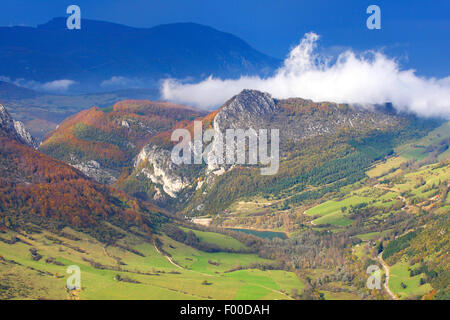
<point x="252" y="102"/>
<point x="6" y="122"/>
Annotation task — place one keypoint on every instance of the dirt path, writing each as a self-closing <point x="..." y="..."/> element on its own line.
<point x="386" y="283"/>
<point x="312" y="221"/>
<point x="178" y="266"/>
<point x="168" y="258"/>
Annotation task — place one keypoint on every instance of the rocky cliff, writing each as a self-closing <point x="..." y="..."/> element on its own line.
<point x="16" y="129"/>
<point x="156" y="164"/>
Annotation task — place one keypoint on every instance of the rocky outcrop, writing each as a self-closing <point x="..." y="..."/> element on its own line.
<point x="16" y="129"/>
<point x="297" y="118"/>
<point x="156" y="164"/>
<point x="249" y="109"/>
<point x="93" y="169"/>
<point x="25" y="135"/>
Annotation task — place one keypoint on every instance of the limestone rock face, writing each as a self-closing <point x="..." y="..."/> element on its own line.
<point x="94" y="170"/>
<point x="16" y="129"/>
<point x="25" y="135"/>
<point x="156" y="164"/>
<point x="258" y="110"/>
<point x="249" y="109"/>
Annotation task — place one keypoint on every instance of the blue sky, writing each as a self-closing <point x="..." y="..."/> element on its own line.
<point x="415" y="32"/>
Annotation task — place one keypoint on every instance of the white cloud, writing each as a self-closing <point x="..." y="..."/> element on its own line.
<point x="57" y="85"/>
<point x="369" y="78"/>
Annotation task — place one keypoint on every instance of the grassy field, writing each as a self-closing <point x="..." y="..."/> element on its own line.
<point x="330" y="212"/>
<point x="419" y="184"/>
<point x="223" y="241"/>
<point x="275" y="280"/>
<point x="399" y="274"/>
<point x="372" y="235"/>
<point x="385" y="167"/>
<point x="143" y="274"/>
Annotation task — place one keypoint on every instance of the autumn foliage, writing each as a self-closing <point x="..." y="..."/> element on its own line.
<point x="36" y="188"/>
<point x="114" y="135"/>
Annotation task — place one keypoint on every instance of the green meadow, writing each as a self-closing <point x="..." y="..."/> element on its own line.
<point x="134" y="269"/>
<point x="405" y="286"/>
<point x="223" y="241"/>
<point x="330" y="211"/>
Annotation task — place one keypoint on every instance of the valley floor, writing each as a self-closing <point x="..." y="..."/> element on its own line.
<point x="117" y="273"/>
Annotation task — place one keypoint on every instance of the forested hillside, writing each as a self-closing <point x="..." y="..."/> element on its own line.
<point x="36" y="188"/>
<point x="101" y="142"/>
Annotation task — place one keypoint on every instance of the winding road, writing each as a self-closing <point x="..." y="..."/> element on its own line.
<point x="386" y="271"/>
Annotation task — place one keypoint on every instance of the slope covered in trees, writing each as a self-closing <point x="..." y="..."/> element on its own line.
<point x="112" y="136"/>
<point x="36" y="188"/>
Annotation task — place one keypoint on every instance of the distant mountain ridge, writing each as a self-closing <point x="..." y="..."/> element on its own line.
<point x="102" y="50"/>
